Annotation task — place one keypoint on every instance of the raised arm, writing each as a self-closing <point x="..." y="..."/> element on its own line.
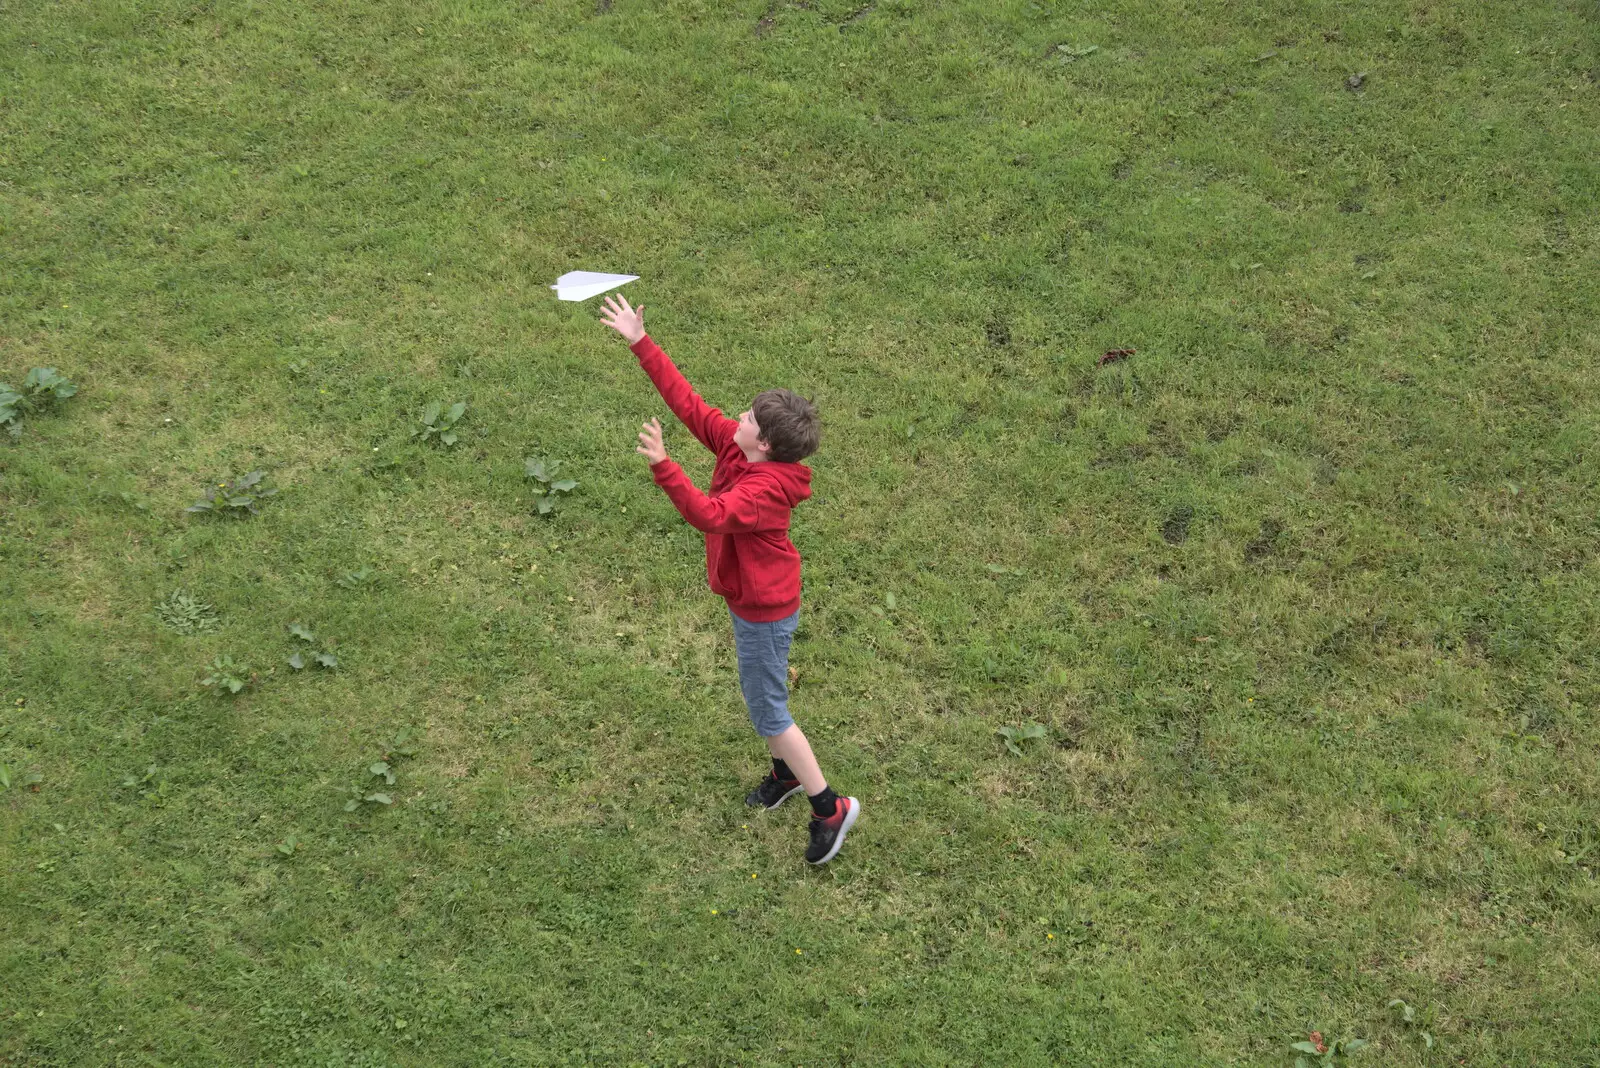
<point x="737" y="511"/>
<point x="709" y="426"/>
<point x="713" y="429"/>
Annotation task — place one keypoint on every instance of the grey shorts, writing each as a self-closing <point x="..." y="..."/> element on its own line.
<point x="764" y="671"/>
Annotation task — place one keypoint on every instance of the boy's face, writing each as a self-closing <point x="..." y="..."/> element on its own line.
<point x="748" y="436"/>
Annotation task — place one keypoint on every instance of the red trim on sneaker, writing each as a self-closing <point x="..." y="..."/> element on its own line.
<point x="846" y="813"/>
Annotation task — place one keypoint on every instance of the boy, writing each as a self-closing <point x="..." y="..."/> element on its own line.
<point x="750" y="560"/>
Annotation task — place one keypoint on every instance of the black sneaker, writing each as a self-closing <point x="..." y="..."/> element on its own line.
<point x="828" y="835"/>
<point x="772" y="792"/>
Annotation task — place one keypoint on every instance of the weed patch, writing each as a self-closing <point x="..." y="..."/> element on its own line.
<point x="42" y="387"/>
<point x="439" y="423"/>
<point x="298" y="659"/>
<point x="234" y="497"/>
<point x="545" y="483"/>
<point x="184" y="614"/>
<point x="226" y="677"/>
<point x="381" y="775"/>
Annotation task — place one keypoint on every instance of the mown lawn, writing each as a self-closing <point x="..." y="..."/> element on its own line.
<point x="1304" y="592"/>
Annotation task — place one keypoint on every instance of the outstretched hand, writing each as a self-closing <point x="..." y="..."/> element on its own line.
<point x="623" y="318"/>
<point x="651" y="447"/>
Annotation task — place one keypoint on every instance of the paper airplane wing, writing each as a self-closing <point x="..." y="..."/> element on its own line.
<point x="581" y="285"/>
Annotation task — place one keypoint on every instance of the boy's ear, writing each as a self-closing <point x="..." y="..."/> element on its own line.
<point x="763" y="444"/>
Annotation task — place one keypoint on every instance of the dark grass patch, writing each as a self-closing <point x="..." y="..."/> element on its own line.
<point x="1175" y="528"/>
<point x="1267" y="542"/>
<point x="856" y="16"/>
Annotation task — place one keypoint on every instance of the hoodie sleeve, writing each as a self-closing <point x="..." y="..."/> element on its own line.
<point x="737" y="511"/>
<point x="713" y="429"/>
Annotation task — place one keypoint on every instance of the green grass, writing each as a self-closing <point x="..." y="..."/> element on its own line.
<point x="1305" y="591"/>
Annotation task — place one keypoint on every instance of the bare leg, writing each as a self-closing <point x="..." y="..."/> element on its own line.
<point x="792" y="748"/>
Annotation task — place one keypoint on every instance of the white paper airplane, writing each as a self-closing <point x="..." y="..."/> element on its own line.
<point x="581" y="285"/>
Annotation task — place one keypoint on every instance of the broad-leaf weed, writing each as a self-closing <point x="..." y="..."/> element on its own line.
<point x="545" y="483"/>
<point x="235" y="497"/>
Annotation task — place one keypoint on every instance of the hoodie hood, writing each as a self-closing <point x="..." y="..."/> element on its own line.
<point x="793" y="479"/>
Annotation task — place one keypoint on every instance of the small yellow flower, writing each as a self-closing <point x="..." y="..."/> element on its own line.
<point x="1050" y="936"/>
<point x="800" y="952"/>
<point x="752" y="875"/>
<point x="713" y="912"/>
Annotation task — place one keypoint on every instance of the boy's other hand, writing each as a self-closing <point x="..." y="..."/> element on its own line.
<point x="624" y="319"/>
<point x="651" y="447"/>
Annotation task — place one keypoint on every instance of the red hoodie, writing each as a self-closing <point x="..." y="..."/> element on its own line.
<point x="750" y="560"/>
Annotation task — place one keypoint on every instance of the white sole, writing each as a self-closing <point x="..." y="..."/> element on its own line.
<point x="849" y="822"/>
<point x="781" y="800"/>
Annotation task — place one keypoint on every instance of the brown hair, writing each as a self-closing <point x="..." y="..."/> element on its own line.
<point x="788" y="423"/>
